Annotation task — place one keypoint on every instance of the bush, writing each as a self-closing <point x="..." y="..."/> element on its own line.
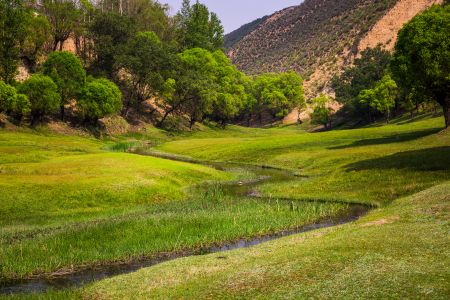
<point x="43" y="95"/>
<point x="7" y="97"/>
<point x="66" y="70"/>
<point x="99" y="98"/>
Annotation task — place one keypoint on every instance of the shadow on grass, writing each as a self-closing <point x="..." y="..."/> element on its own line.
<point x="430" y="159"/>
<point x="397" y="138"/>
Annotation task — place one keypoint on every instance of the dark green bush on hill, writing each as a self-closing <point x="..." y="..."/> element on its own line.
<point x="99" y="98"/>
<point x="66" y="71"/>
<point x="43" y="95"/>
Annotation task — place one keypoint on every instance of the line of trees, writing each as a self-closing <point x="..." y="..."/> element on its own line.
<point x="174" y="65"/>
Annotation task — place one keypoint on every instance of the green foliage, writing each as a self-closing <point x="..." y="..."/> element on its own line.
<point x="99" y="98"/>
<point x="8" y="96"/>
<point x="66" y="71"/>
<point x="382" y="97"/>
<point x="63" y="16"/>
<point x="22" y="106"/>
<point x="198" y="28"/>
<point x="366" y="72"/>
<point x="110" y="33"/>
<point x="38" y="33"/>
<point x="12" y="102"/>
<point x="13" y="20"/>
<point x="322" y="113"/>
<point x="42" y="93"/>
<point x="149" y="64"/>
<point x="231" y="90"/>
<point x="196" y="86"/>
<point x="421" y="63"/>
<point x="278" y="93"/>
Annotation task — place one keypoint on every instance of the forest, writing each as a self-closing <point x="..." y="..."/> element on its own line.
<point x="130" y="58"/>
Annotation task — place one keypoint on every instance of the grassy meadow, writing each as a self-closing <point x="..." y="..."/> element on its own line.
<point x="69" y="202"/>
<point x="75" y="201"/>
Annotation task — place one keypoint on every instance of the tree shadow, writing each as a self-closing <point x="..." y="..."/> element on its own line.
<point x="430" y="159"/>
<point x="397" y="138"/>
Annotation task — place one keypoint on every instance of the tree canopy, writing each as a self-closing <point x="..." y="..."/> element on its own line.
<point x="99" y="98"/>
<point x="66" y="71"/>
<point x="421" y="63"/>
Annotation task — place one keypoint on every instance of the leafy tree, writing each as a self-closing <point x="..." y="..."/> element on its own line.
<point x="12" y="102"/>
<point x="63" y="15"/>
<point x="22" y="106"/>
<point x="148" y="63"/>
<point x="278" y="93"/>
<point x="364" y="74"/>
<point x="38" y="33"/>
<point x="421" y="62"/>
<point x="231" y="90"/>
<point x="66" y="71"/>
<point x="110" y="33"/>
<point x="198" y="28"/>
<point x="99" y="98"/>
<point x="322" y="113"/>
<point x="43" y="95"/>
<point x="13" y="18"/>
<point x="196" y="87"/>
<point x="382" y="97"/>
<point x="8" y="97"/>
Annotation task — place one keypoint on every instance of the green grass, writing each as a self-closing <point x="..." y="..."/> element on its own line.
<point x="72" y="202"/>
<point x="400" y="251"/>
<point x="67" y="203"/>
<point x="371" y="165"/>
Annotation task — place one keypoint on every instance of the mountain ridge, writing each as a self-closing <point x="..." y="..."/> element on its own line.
<point x="318" y="38"/>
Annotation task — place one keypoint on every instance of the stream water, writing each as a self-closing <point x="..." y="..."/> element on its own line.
<point x="236" y="189"/>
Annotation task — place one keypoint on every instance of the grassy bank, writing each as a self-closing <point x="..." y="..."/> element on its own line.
<point x="399" y="251"/>
<point x="66" y="204"/>
<point x="370" y="165"/>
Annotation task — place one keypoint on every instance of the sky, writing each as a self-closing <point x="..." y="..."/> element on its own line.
<point x="235" y="13"/>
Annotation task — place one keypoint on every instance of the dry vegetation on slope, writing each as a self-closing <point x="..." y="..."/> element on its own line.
<point x="318" y="37"/>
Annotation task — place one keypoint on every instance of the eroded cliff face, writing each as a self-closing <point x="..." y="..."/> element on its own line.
<point x="385" y="30"/>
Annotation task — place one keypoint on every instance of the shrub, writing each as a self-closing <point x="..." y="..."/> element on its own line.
<point x="43" y="95"/>
<point x="66" y="70"/>
<point x="99" y="98"/>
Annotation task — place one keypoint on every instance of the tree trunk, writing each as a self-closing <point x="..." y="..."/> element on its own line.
<point x="62" y="112"/>
<point x="446" y="107"/>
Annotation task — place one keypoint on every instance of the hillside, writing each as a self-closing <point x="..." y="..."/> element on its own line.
<point x="319" y="37"/>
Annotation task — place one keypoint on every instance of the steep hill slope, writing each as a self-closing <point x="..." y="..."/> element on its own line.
<point x="318" y="37"/>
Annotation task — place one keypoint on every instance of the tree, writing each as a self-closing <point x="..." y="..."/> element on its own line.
<point x="278" y="94"/>
<point x="364" y="74"/>
<point x="66" y="71"/>
<point x="38" y="33"/>
<point x="322" y="113"/>
<point x="43" y="95"/>
<point x="63" y="15"/>
<point x="196" y="87"/>
<point x="148" y="64"/>
<point x="198" y="28"/>
<point x="110" y="33"/>
<point x="231" y="90"/>
<point x="421" y="61"/>
<point x="382" y="97"/>
<point x="12" y="102"/>
<point x="99" y="98"/>
<point x="13" y="18"/>
<point x="8" y="97"/>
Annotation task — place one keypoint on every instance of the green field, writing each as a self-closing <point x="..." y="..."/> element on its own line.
<point x="71" y="201"/>
<point x="67" y="204"/>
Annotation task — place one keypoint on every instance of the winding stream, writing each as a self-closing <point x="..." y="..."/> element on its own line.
<point x="236" y="189"/>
